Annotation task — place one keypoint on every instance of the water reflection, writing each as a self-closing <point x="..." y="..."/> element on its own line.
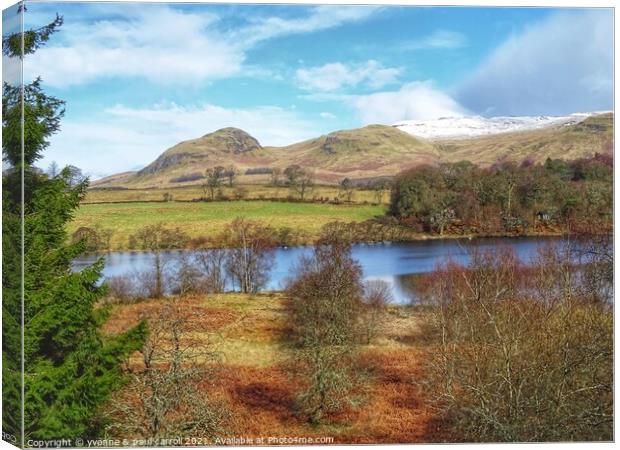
<point x="399" y="264"/>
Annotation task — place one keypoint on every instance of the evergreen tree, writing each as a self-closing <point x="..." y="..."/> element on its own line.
<point x="70" y="368"/>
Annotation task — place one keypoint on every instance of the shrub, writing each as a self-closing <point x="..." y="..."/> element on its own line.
<point x="89" y="238"/>
<point x="323" y="312"/>
<point x="120" y="288"/>
<point x="519" y="354"/>
<point x="150" y="283"/>
<point x="187" y="276"/>
<point x="167" y="395"/>
<point x="212" y="264"/>
<point x="157" y="238"/>
<point x="286" y="236"/>
<point x="93" y="239"/>
<point x="377" y="296"/>
<point x="367" y="231"/>
<point x="250" y="257"/>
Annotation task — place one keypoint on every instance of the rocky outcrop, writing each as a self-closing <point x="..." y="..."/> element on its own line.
<point x="225" y="141"/>
<point x="163" y="162"/>
<point x="233" y="140"/>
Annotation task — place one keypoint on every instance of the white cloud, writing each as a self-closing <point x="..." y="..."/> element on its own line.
<point x="11" y="70"/>
<point x="438" y="39"/>
<point x="166" y="45"/>
<point x="125" y="137"/>
<point x="11" y="67"/>
<point x="413" y="101"/>
<point x="334" y="76"/>
<point x="327" y="115"/>
<point x="159" y="44"/>
<point x="561" y="65"/>
<point x="319" y="18"/>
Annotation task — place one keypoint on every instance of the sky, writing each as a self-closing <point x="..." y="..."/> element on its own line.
<point x="139" y="78"/>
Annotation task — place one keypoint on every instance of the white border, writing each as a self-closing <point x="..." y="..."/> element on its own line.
<point x="479" y="3"/>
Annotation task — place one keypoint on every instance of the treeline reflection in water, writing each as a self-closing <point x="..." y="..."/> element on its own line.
<point x="399" y="264"/>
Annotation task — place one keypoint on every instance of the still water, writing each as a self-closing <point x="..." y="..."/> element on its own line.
<point x="396" y="263"/>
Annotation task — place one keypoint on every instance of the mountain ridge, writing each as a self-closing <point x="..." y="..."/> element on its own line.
<point x="471" y="126"/>
<point x="364" y="153"/>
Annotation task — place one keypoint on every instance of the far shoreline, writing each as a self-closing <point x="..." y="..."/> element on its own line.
<point x="418" y="238"/>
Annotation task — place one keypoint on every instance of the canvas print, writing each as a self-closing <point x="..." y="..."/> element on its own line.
<point x="272" y="224"/>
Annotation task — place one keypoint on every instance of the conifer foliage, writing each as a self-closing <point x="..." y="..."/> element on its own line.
<point x="70" y="368"/>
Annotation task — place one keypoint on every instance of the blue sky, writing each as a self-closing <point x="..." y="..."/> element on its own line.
<point x="139" y="78"/>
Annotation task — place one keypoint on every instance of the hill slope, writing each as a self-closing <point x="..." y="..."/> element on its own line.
<point x="369" y="152"/>
<point x="594" y="134"/>
<point x="372" y="151"/>
<point x="470" y="126"/>
<point x="375" y="150"/>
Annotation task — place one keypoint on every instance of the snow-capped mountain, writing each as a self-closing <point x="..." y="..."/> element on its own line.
<point x="469" y="126"/>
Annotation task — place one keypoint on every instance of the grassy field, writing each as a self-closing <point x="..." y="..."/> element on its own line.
<point x="254" y="384"/>
<point x="204" y="219"/>
<point x="254" y="192"/>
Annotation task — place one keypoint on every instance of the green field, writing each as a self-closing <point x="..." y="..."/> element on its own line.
<point x="206" y="219"/>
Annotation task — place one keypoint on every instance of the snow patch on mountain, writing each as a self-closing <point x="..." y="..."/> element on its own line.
<point x="470" y="126"/>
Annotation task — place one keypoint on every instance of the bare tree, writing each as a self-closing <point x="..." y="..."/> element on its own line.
<point x="380" y="187"/>
<point x="250" y="255"/>
<point x="377" y="296"/>
<point x="304" y="185"/>
<point x="300" y="180"/>
<point x="53" y="170"/>
<point x="213" y="181"/>
<point x="187" y="276"/>
<point x="346" y="190"/>
<point x="157" y="239"/>
<point x="231" y="174"/>
<point x="276" y="175"/>
<point x="292" y="174"/>
<point x="120" y="289"/>
<point x="519" y="353"/>
<point x="323" y="312"/>
<point x="145" y="282"/>
<point x="593" y="248"/>
<point x="163" y="400"/>
<point x="212" y="264"/>
<point x="73" y="175"/>
<point x="104" y="237"/>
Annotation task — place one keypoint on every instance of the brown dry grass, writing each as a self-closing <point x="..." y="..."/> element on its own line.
<point x="254" y="384"/>
<point x="396" y="410"/>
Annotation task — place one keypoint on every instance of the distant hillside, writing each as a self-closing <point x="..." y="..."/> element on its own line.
<point x="470" y="126"/>
<point x="372" y="151"/>
<point x="375" y="150"/>
<point x="594" y="134"/>
<point x="224" y="144"/>
<point x="364" y="153"/>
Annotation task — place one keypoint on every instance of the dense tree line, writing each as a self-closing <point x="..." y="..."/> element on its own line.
<point x="464" y="198"/>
